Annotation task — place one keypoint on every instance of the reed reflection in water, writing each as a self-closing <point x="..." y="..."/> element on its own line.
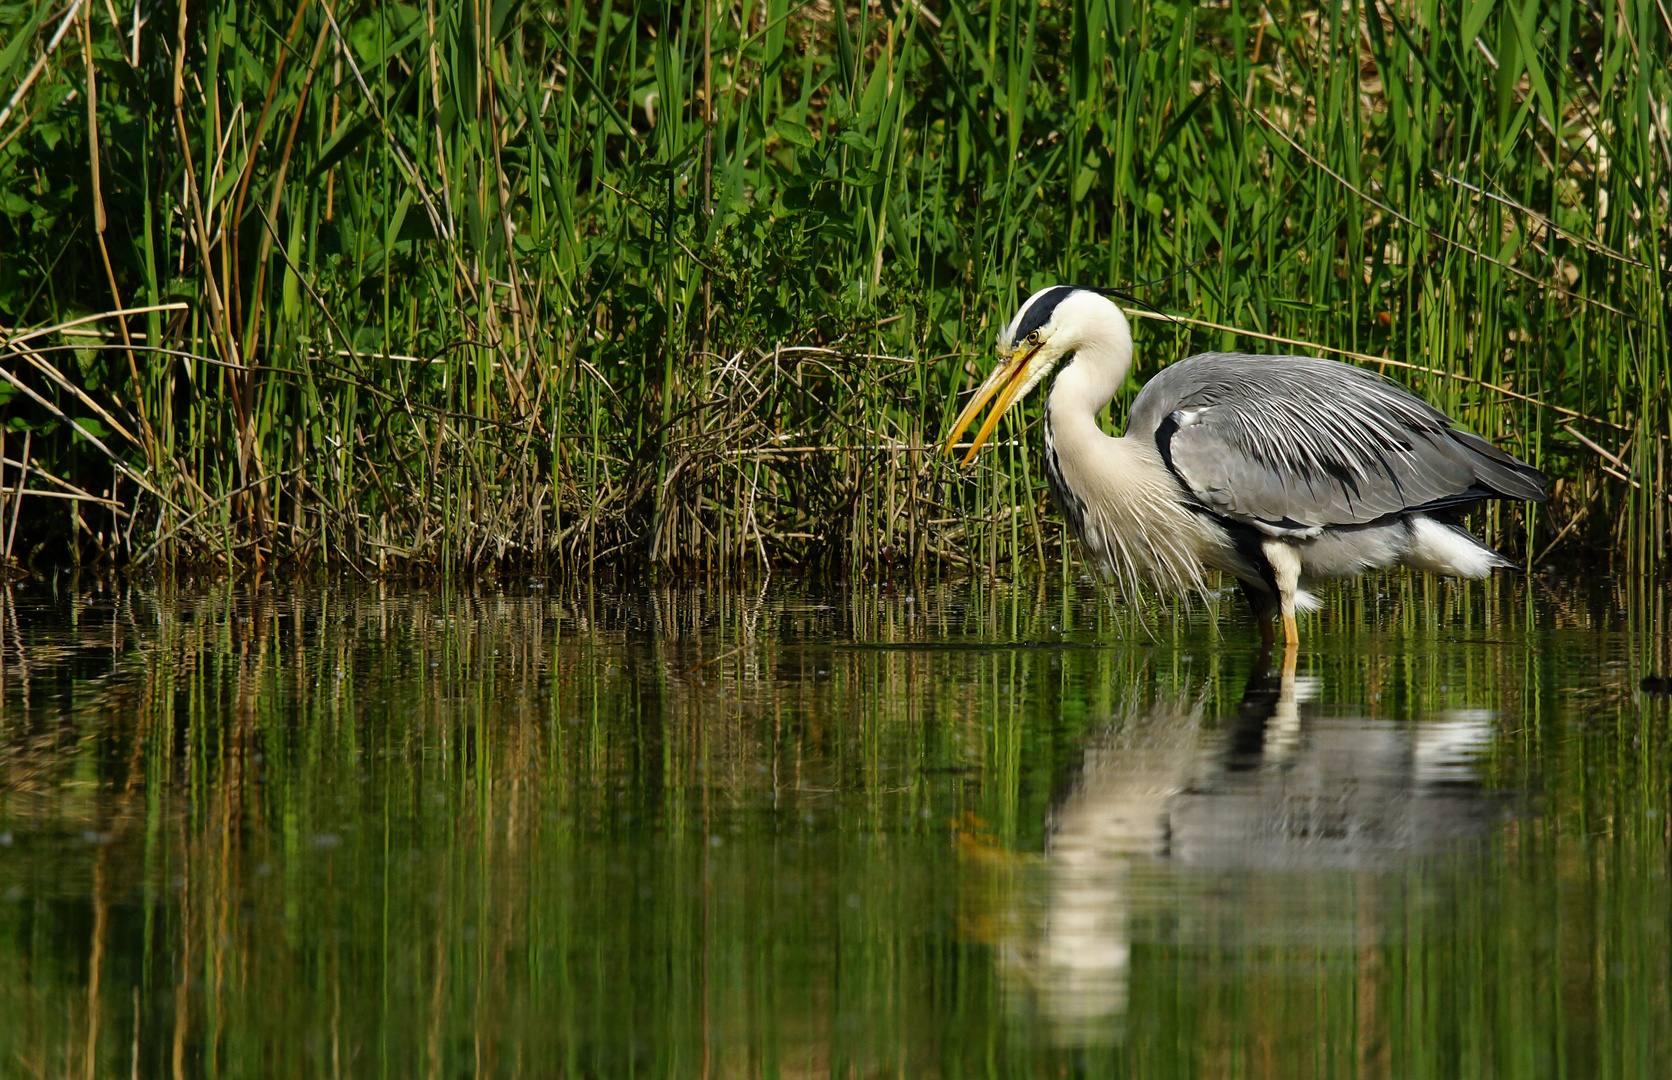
<point x="961" y="830"/>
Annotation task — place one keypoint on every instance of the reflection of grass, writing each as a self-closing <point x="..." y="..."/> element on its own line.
<point x="435" y="287"/>
<point x="455" y="833"/>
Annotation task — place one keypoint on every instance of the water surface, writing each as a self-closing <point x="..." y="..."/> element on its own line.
<point x="954" y="830"/>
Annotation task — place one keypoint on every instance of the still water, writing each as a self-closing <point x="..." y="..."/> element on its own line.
<point x="952" y="830"/>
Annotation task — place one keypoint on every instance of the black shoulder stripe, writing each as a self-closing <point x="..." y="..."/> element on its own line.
<point x="1164" y="433"/>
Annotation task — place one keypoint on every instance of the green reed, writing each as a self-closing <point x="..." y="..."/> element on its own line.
<point x="440" y="287"/>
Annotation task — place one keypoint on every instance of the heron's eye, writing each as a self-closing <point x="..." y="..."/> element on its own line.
<point x="1033" y="338"/>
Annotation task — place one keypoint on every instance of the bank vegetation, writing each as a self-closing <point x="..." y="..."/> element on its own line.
<point x="424" y="288"/>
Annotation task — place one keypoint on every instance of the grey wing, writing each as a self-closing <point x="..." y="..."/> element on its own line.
<point x="1295" y="443"/>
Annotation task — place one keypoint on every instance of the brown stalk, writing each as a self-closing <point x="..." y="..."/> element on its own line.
<point x="95" y="960"/>
<point x="17" y="496"/>
<point x="708" y="169"/>
<point x="83" y="432"/>
<point x="28" y="335"/>
<point x="75" y="391"/>
<point x="406" y="165"/>
<point x="70" y="491"/>
<point x="217" y="309"/>
<point x="230" y="243"/>
<point x="435" y="106"/>
<point x="267" y="236"/>
<point x="99" y="222"/>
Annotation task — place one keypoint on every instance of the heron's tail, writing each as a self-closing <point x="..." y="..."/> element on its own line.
<point x="1500" y="475"/>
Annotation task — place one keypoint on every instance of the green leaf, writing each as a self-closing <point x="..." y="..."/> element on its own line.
<point x="398" y="218"/>
<point x="92" y="371"/>
<point x="1526" y="27"/>
<point x="418" y="227"/>
<point x="1083" y="181"/>
<point x="1509" y="73"/>
<point x="24" y="36"/>
<point x="828" y="201"/>
<point x="341" y="146"/>
<point x="856" y="140"/>
<point x="795" y="134"/>
<point x="92" y="427"/>
<point x="839" y="229"/>
<point x="505" y="19"/>
<point x="1474" y="20"/>
<point x="871" y="100"/>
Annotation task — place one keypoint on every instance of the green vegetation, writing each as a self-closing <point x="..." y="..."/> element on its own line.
<point x="429" y="287"/>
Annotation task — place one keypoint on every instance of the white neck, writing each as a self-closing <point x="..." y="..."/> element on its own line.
<point x="1089" y="381"/>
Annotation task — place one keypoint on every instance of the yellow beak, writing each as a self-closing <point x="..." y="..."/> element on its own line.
<point x="1008" y="377"/>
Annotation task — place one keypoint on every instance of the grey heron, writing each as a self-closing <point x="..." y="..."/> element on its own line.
<point x="1278" y="470"/>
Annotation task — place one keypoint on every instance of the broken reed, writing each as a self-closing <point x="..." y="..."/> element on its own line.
<point x="440" y="286"/>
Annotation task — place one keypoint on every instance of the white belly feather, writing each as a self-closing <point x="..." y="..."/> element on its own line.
<point x="1123" y="504"/>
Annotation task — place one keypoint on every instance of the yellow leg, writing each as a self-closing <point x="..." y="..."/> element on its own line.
<point x="1291" y="653"/>
<point x="1285" y="566"/>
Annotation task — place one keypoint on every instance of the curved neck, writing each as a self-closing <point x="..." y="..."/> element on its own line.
<point x="1087" y="382"/>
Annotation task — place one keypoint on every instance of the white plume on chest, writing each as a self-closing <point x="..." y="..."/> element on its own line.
<point x="1119" y="497"/>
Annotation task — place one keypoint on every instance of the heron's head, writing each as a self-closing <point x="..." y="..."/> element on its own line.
<point x="1063" y="321"/>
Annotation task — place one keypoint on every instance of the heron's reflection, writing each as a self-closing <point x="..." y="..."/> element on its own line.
<point x="1236" y="840"/>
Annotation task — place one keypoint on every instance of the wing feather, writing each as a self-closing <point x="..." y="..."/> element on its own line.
<point x="1297" y="443"/>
